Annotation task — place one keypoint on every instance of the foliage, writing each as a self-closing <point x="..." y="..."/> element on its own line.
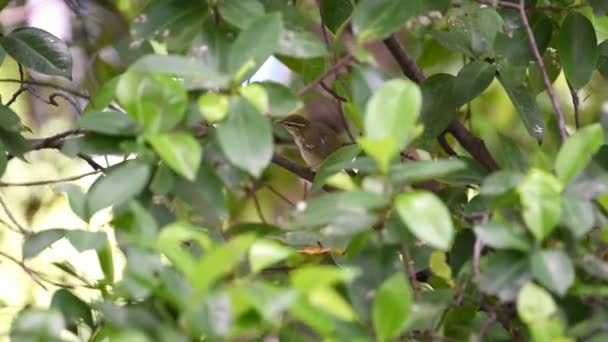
<point x="431" y="234"/>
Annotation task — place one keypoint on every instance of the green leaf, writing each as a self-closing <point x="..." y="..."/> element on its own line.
<point x="160" y="18"/>
<point x="264" y="253"/>
<point x="577" y="48"/>
<point x="390" y="117"/>
<point x="76" y="199"/>
<point x="9" y="120"/>
<point x="282" y="101"/>
<point x="37" y="325"/>
<point x="505" y="273"/>
<point x="219" y="261"/>
<point x="576" y="153"/>
<point x="109" y="122"/>
<point x="73" y="308"/>
<point x="158" y="102"/>
<point x="84" y="240"/>
<point x="540" y="195"/>
<point x="502" y="236"/>
<point x="512" y="155"/>
<point x="515" y="47"/>
<point x="553" y="269"/>
<point x="15" y="143"/>
<point x="120" y="184"/>
<point x="334" y="164"/>
<point x="300" y="43"/>
<point x="207" y="194"/>
<point x="3" y="159"/>
<point x="534" y="304"/>
<point x="512" y="80"/>
<point x="196" y="73"/>
<point x="246" y="137"/>
<point x="392" y="306"/>
<point x="335" y="13"/>
<point x="310" y="277"/>
<point x="39" y="50"/>
<point x="439" y="103"/>
<point x="600" y="7"/>
<point x="472" y="80"/>
<point x="180" y="151"/>
<point x="578" y="214"/>
<point x="602" y="62"/>
<point x="424" y="170"/>
<point x="213" y="106"/>
<point x="255" y="44"/>
<point x="376" y="19"/>
<point x="240" y="13"/>
<point x="500" y="182"/>
<point x="39" y="241"/>
<point x="256" y="95"/>
<point x="427" y="218"/>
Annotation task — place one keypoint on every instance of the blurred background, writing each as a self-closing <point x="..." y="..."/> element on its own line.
<point x="95" y="30"/>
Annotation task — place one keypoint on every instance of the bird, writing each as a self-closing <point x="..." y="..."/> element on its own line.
<point x="314" y="140"/>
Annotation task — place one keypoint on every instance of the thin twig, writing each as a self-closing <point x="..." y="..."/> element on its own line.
<point x="22" y="87"/>
<point x="47" y="85"/>
<point x="27" y="270"/>
<point x="12" y="218"/>
<point x="411" y="271"/>
<point x="258" y="208"/>
<point x="477" y="247"/>
<point x="280" y="195"/>
<point x="541" y="66"/>
<point x="332" y="92"/>
<point x="342" y="62"/>
<point x="485" y="326"/>
<point x="67" y="98"/>
<point x="575" y="104"/>
<point x="47" y="182"/>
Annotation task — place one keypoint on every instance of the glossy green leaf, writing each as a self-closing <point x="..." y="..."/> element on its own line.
<point x="391" y="114"/>
<point x="256" y="95"/>
<point x="472" y="80"/>
<point x="515" y="46"/>
<point x="282" y="101"/>
<point x="3" y="159"/>
<point x="424" y="170"/>
<point x="504" y="275"/>
<point x="540" y="197"/>
<point x="180" y="151"/>
<point x="72" y="308"/>
<point x="264" y="253"/>
<point x="157" y="102"/>
<point x="392" y="306"/>
<point x="379" y="18"/>
<point x="534" y="304"/>
<point x="9" y="120"/>
<point x="334" y="164"/>
<point x="195" y="72"/>
<point x="576" y="153"/>
<point x="84" y="240"/>
<point x="255" y="44"/>
<point x="299" y="43"/>
<point x="39" y="241"/>
<point x="577" y="48"/>
<point x="602" y="62"/>
<point x="335" y="13"/>
<point x="246" y="137"/>
<point x="553" y="269"/>
<point x="206" y="194"/>
<point x="213" y="106"/>
<point x="512" y="80"/>
<point x="76" y="198"/>
<point x="39" y="50"/>
<point x="503" y="236"/>
<point x="109" y="122"/>
<point x="427" y="218"/>
<point x="37" y="325"/>
<point x="120" y="184"/>
<point x="577" y="214"/>
<point x="500" y="182"/>
<point x="310" y="277"/>
<point x="439" y="103"/>
<point x="240" y="13"/>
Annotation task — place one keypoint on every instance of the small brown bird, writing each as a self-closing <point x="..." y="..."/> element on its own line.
<point x="314" y="140"/>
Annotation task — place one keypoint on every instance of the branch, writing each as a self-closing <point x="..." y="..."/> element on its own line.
<point x="475" y="146"/>
<point x="11" y="217"/>
<point x="575" y="104"/>
<point x="541" y="65"/>
<point x="344" y="61"/>
<point x="47" y="182"/>
<point x="297" y="169"/>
